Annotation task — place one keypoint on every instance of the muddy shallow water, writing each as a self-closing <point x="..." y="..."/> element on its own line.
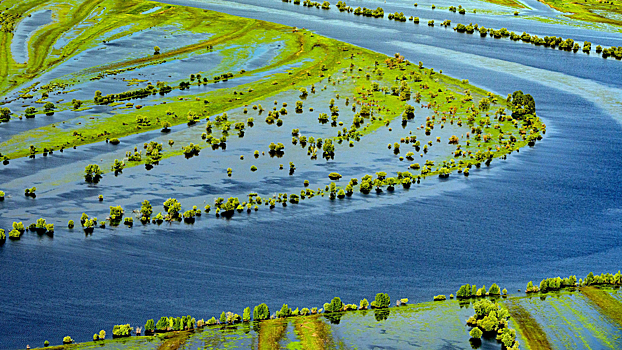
<point x="546" y="211"/>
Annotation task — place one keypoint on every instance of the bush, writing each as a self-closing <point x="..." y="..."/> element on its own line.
<point x="494" y="290"/>
<point x="162" y="324"/>
<point x="150" y="326"/>
<point x="67" y="340"/>
<point x="92" y="173"/>
<point x="334" y="176"/>
<point x="114" y="141"/>
<point x="46" y="343"/>
<point x="475" y="333"/>
<point x="382" y="300"/>
<point x="334" y="306"/>
<point x="440" y="297"/>
<point x="261" y="312"/>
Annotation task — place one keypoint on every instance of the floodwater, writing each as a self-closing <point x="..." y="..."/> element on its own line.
<point x="549" y="210"/>
<point x="25" y="29"/>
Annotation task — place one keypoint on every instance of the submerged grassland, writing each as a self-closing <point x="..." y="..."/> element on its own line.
<point x="560" y="320"/>
<point x="595" y="11"/>
<point x="143" y="82"/>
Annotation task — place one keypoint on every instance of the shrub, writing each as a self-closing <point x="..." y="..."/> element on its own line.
<point x="261" y="312"/>
<point x="46" y="343"/>
<point x="92" y="173"/>
<point x="382" y="300"/>
<point x="150" y="326"/>
<point x="440" y="297"/>
<point x="116" y="214"/>
<point x="162" y="324"/>
<point x="246" y="315"/>
<point x="334" y="176"/>
<point x="67" y="340"/>
<point x="476" y="333"/>
<point x="102" y="334"/>
<point x="114" y="141"/>
<point x="334" y="306"/>
<point x="494" y="290"/>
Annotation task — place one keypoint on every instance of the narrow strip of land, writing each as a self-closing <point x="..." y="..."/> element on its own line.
<point x="606" y="304"/>
<point x="532" y="332"/>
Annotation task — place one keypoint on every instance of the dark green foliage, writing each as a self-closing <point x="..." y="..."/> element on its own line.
<point x="92" y="173"/>
<point x="162" y="324"/>
<point x="150" y="326"/>
<point x="382" y="300"/>
<point x="464" y="292"/>
<point x="522" y="105"/>
<point x="261" y="312"/>
<point x="5" y="114"/>
<point x="285" y="311"/>
<point x="123" y="330"/>
<point x="494" y="290"/>
<point x="334" y="306"/>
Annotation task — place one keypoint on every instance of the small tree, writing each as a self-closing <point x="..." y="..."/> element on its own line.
<point x="150" y="326"/>
<point x="476" y="333"/>
<point x="92" y="173"/>
<point x="5" y="114"/>
<point x="261" y="312"/>
<point x="382" y="300"/>
<point x="156" y="50"/>
<point x="49" y="106"/>
<point x="246" y="316"/>
<point x="162" y="324"/>
<point x="102" y="334"/>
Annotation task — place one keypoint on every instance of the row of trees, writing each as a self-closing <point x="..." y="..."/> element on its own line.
<point x="471" y="291"/>
<point x="558" y="283"/>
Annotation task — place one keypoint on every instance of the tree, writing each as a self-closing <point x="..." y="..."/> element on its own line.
<point x="223" y="318"/>
<point x="48" y="106"/>
<point x="364" y="304"/>
<point x="5" y="114"/>
<point x="172" y="207"/>
<point x="334" y="306"/>
<point x="92" y="173"/>
<point x="102" y="334"/>
<point x="589" y="279"/>
<point x="494" y="290"/>
<point x="246" y="316"/>
<point x="521" y="104"/>
<point x="118" y="166"/>
<point x="146" y="210"/>
<point x="76" y="103"/>
<point x="475" y="333"/>
<point x="156" y="50"/>
<point x="484" y="104"/>
<point x="382" y="300"/>
<point x="162" y="324"/>
<point x="150" y="326"/>
<point x="261" y="312"/>
<point x="122" y="330"/>
<point x="30" y="112"/>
